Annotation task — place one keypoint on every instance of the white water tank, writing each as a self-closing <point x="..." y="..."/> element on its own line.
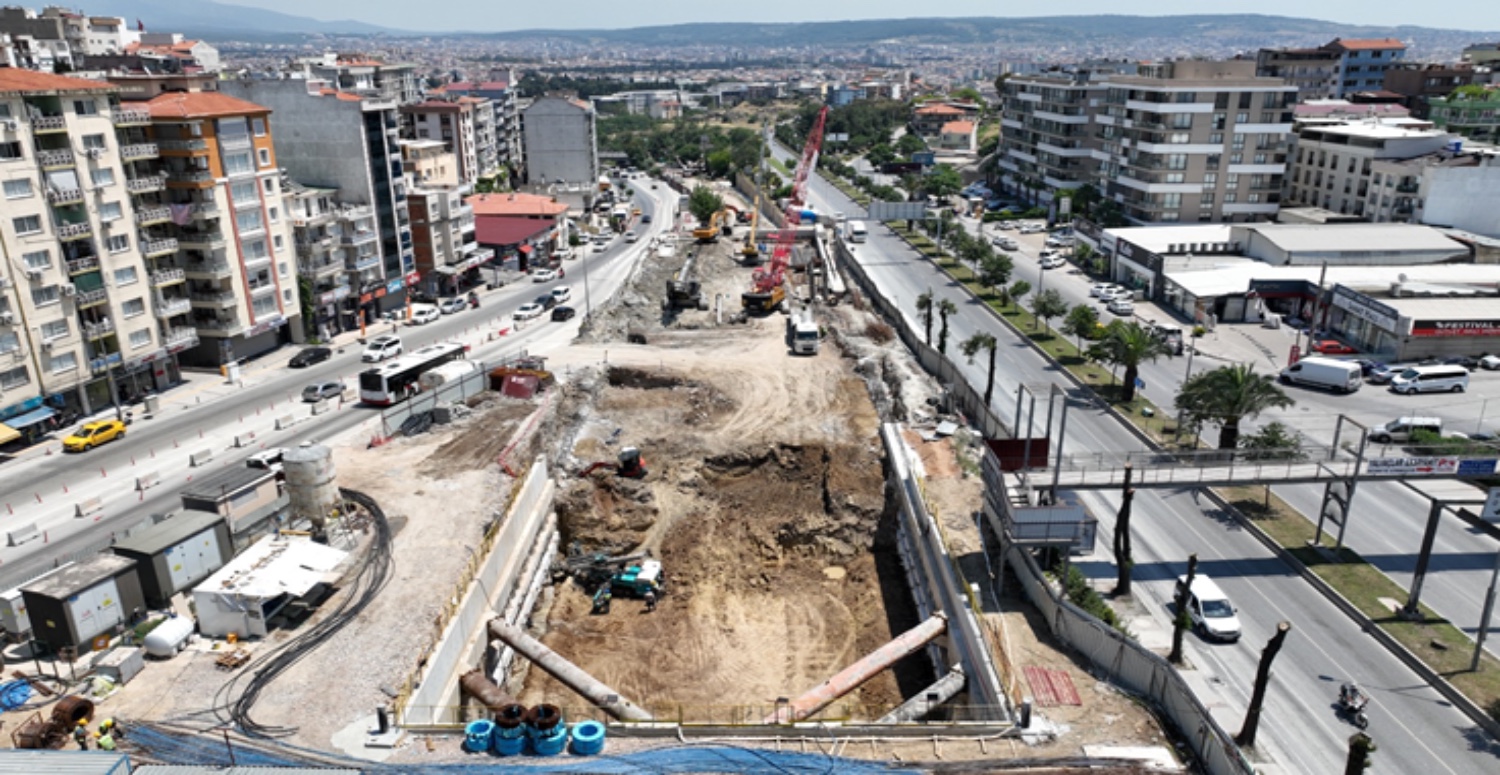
<point x="310" y="482"/>
<point x="169" y="637"/>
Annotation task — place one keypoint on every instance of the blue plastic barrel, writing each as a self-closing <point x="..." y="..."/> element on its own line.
<point x="477" y="735"/>
<point x="588" y="738"/>
<point x="551" y="742"/>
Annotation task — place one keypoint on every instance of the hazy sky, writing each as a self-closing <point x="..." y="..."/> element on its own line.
<point x="499" y="15"/>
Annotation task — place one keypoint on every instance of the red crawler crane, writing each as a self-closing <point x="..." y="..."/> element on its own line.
<point x="765" y="292"/>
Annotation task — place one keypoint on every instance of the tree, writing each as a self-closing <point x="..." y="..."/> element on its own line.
<point x="970" y="94"/>
<point x="1360" y="748"/>
<point x="942" y="181"/>
<point x="1124" y="559"/>
<point x="994" y="270"/>
<point x="1081" y="323"/>
<point x="1047" y="305"/>
<point x="971" y="347"/>
<point x="703" y="203"/>
<point x="1085" y="197"/>
<point x="1127" y="345"/>
<point x="1183" y="621"/>
<point x="720" y="163"/>
<point x="1017" y="291"/>
<point x="945" y="308"/>
<point x="975" y="252"/>
<point x="879" y="154"/>
<point x="1274" y="441"/>
<point x="909" y="144"/>
<point x="1228" y="395"/>
<point x="1246" y="737"/>
<point x="924" y="306"/>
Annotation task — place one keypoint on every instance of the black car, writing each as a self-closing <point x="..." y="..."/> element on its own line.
<point x="1469" y="362"/>
<point x="563" y="313"/>
<point x="546" y="300"/>
<point x="310" y="356"/>
<point x="646" y="218"/>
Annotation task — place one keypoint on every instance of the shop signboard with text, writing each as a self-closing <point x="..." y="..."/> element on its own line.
<point x="1489" y="327"/>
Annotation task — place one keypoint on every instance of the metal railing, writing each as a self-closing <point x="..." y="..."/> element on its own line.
<point x="166" y="308"/>
<point x="91" y="298"/>
<point x="205" y="241"/>
<point x="131" y="116"/>
<point x="69" y="230"/>
<point x="237" y="143"/>
<point x="152" y="215"/>
<point x="221" y="297"/>
<point x="103" y="327"/>
<point x="146" y="184"/>
<point x="158" y="247"/>
<point x="183" y="145"/>
<point x="167" y="277"/>
<point x="81" y="265"/>
<point x="215" y="268"/>
<point x="139" y="151"/>
<point x="192" y="176"/>
<point x="62" y="158"/>
<point x="63" y="196"/>
<point x="48" y="123"/>
<point x="185" y="337"/>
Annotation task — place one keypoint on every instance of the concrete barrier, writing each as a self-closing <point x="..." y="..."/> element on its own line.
<point x="22" y="534"/>
<point x="320" y="407"/>
<point x="244" y="439"/>
<point x="147" y="480"/>
<point x="198" y="459"/>
<point x="88" y="506"/>
<point x="285" y="421"/>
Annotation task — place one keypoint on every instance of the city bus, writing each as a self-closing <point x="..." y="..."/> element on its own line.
<point x="396" y="380"/>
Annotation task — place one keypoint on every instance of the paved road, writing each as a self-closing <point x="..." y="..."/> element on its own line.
<point x="1416" y="729"/>
<point x="208" y="406"/>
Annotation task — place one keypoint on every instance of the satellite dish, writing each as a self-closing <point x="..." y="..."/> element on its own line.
<point x="1401" y="277"/>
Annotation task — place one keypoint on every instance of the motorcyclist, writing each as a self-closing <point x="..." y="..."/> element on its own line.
<point x="1351" y="697"/>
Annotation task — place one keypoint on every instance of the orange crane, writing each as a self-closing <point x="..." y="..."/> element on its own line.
<point x="765" y="292"/>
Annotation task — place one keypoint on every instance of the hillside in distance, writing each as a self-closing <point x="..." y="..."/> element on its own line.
<point x="209" y="19"/>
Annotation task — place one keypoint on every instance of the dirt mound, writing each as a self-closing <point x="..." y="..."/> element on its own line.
<point x="604" y="512"/>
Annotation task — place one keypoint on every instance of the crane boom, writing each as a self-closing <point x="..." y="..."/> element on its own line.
<point x="769" y="277"/>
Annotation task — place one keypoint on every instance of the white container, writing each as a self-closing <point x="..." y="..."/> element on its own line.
<point x="310" y="482"/>
<point x="446" y="373"/>
<point x="169" y="637"/>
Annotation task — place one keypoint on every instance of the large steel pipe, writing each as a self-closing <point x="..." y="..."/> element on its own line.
<point x="850" y="678"/>
<point x="922" y="703"/>
<point x="570" y="674"/>
<point x="477" y="685"/>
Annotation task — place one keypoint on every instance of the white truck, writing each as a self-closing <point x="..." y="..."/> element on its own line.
<point x="802" y="335"/>
<point x="1327" y="373"/>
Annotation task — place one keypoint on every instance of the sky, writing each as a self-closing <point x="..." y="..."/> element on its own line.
<point x="502" y="15"/>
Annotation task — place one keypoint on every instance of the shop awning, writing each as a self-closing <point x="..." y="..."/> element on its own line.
<point x="8" y="434"/>
<point x="23" y="421"/>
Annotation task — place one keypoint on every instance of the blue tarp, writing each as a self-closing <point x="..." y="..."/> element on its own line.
<point x="13" y="695"/>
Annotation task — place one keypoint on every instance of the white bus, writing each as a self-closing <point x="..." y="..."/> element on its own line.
<point x="856" y="231"/>
<point x="396" y="380"/>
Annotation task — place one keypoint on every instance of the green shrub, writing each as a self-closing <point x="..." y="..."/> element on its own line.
<point x="1076" y="587"/>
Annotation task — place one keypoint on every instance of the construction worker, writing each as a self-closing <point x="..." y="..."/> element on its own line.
<point x="650" y="600"/>
<point x="109" y="727"/>
<point x="106" y="742"/>
<point x="81" y="734"/>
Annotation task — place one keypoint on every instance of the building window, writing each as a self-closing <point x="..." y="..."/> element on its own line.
<point x="278" y="242"/>
<point x="103" y="176"/>
<point x="139" y="339"/>
<point x="284" y="268"/>
<point x="1206" y="201"/>
<point x="260" y="126"/>
<point x="5" y="110"/>
<point x="55" y="329"/>
<point x="94" y="142"/>
<point x="273" y="215"/>
<point x="1179" y="138"/>
<point x="126" y="276"/>
<point x="1182" y="120"/>
<point x="254" y="249"/>
<point x="1231" y="197"/>
<point x="118" y="243"/>
<point x="264" y="306"/>
<point x="10" y="342"/>
<point x="269" y="184"/>
<point x="14" y="378"/>
<point x="286" y="296"/>
<point x="248" y="220"/>
<point x="60" y="363"/>
<point x="133" y="307"/>
<point x="17" y="189"/>
<point x="85" y="108"/>
<point x="265" y="156"/>
<point x="1216" y="138"/>
<point x="27" y="224"/>
<point x="243" y="192"/>
<point x="11" y="151"/>
<point x="1210" y="179"/>
<point x="40" y="259"/>
<point x="1252" y="198"/>
<point x="238" y="164"/>
<point x="110" y="211"/>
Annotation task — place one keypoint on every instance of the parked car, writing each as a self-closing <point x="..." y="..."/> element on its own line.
<point x="1122" y="305"/>
<point x="1467" y="361"/>
<point x="1369" y="366"/>
<point x="1402" y="429"/>
<point x="1212" y="614"/>
<point x="1098" y="289"/>
<point x="93" y="434"/>
<point x="1431" y="379"/>
<point x="546" y="301"/>
<point x="454" y="304"/>
<point x="1053" y="261"/>
<point x="380" y="348"/>
<point x="1331" y="347"/>
<point x="543" y="275"/>
<point x="1005" y="243"/>
<point x="309" y="356"/>
<point x="1059" y="242"/>
<point x="1382" y="375"/>
<point x="630" y="236"/>
<point x="600" y="247"/>
<point x="646" y="218"/>
<point x="1117" y="292"/>
<point x="422" y="314"/>
<point x="561" y="294"/>
<point x="561" y="314"/>
<point x="528" y="311"/>
<point x="1327" y="373"/>
<point x="1006" y="226"/>
<point x="1490" y="362"/>
<point x="320" y="391"/>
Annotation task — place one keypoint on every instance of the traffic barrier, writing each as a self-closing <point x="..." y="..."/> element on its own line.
<point x="88" y="506"/>
<point x="198" y="459"/>
<point x="244" y="439"/>
<point x="319" y="407"/>
<point x="22" y="534"/>
<point x="285" y="421"/>
<point x="147" y="480"/>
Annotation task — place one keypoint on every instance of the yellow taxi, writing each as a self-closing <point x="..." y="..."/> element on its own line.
<point x="93" y="434"/>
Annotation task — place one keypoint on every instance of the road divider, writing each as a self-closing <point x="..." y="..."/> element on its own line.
<point x="285" y="421"/>
<point x="319" y="407"/>
<point x="147" y="480"/>
<point x="88" y="506"/>
<point x="244" y="439"/>
<point x="199" y="459"/>
<point x="22" y="535"/>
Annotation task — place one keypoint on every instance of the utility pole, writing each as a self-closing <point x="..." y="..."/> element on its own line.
<point x="1246" y="737"/>
<point x="1122" y="535"/>
<point x="1183" y="620"/>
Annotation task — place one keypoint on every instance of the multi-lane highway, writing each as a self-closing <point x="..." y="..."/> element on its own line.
<point x="1416" y="729"/>
<point x="44" y="489"/>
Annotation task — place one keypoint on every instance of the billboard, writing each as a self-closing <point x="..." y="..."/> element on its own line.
<point x="1455" y="327"/>
<point x="898" y="211"/>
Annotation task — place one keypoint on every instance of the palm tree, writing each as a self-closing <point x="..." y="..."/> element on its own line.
<point x="971" y="347"/>
<point x="1127" y="345"/>
<point x="945" y="308"/>
<point x="1228" y="395"/>
<point x="924" y="306"/>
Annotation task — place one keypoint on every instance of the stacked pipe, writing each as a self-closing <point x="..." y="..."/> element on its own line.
<point x="545" y="728"/>
<point x="510" y="730"/>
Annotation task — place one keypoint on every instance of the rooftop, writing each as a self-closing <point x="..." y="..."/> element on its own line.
<point x="1365" y="44"/>
<point x="168" y="533"/>
<point x="1157" y="239"/>
<point x="1387" y="237"/>
<point x="70" y="579"/>
<point x="201" y="104"/>
<point x="1376" y="130"/>
<point x="19" y="80"/>
<point x="513" y="205"/>
<point x="232" y="480"/>
<point x="958" y="127"/>
<point x="273" y="566"/>
<point x="1228" y="275"/>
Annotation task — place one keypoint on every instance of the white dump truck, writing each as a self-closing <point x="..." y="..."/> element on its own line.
<point x="802" y="335"/>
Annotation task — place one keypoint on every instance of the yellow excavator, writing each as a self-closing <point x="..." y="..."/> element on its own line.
<point x="751" y="251"/>
<point x="722" y="221"/>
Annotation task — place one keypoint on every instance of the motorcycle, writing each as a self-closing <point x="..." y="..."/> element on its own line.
<point x="1351" y="704"/>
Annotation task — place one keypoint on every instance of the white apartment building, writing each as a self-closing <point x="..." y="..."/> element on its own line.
<point x="560" y="143"/>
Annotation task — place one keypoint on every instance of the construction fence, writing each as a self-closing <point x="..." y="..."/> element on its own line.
<point x="753" y="715"/>
<point x="1131" y="667"/>
<point x="453" y="392"/>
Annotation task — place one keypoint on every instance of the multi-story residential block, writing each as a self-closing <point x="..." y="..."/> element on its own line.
<point x="560" y="142"/>
<point x="47" y="41"/>
<point x="1472" y="112"/>
<point x="224" y="210"/>
<point x="459" y="125"/>
<point x="506" y="120"/>
<point x="429" y="163"/>
<point x="365" y="77"/>
<point x="79" y="297"/>
<point x="447" y="249"/>
<point x="348" y="144"/>
<point x="1419" y="83"/>
<point x="1335" y="69"/>
<point x="1046" y="130"/>
<point x="1481" y="54"/>
<point x="170" y="52"/>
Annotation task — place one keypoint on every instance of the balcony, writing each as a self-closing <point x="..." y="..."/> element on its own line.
<point x="45" y="124"/>
<point x="191" y="176"/>
<point x="178" y="339"/>
<point x="1406" y="188"/>
<point x="147" y="216"/>
<point x="239" y="143"/>
<point x="131" y="117"/>
<point x="203" y="210"/>
<point x="80" y="265"/>
<point x="86" y="299"/>
<point x="158" y="247"/>
<point x="146" y="184"/>
<point x="323" y="269"/>
<point x="255" y="261"/>
<point x="316" y="219"/>
<point x="72" y="231"/>
<point x="65" y="196"/>
<point x="208" y="270"/>
<point x="100" y="329"/>
<point x="167" y="308"/>
<point x="167" y="277"/>
<point x="361" y="264"/>
<point x="201" y="240"/>
<point x="218" y="327"/>
<point x="138" y="151"/>
<point x="358" y="238"/>
<point x="50" y="160"/>
<point x="354" y="213"/>
<point x="189" y="146"/>
<point x="212" y="299"/>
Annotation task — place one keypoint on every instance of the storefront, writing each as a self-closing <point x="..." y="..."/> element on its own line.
<point x="1366" y="323"/>
<point x="1136" y="268"/>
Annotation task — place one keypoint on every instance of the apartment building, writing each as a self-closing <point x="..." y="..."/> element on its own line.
<point x="1047" y="130"/>
<point x="447" y="249"/>
<point x="465" y="125"/>
<point x="79" y="298"/>
<point x="1418" y="83"/>
<point x="225" y="211"/>
<point x="561" y="146"/>
<point x="1473" y="113"/>
<point x="1195" y="141"/>
<point x="505" y="118"/>
<point x="366" y="77"/>
<point x="1335" y="69"/>
<point x="348" y="144"/>
<point x="337" y="251"/>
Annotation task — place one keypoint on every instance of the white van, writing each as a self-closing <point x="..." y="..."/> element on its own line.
<point x="1401" y="429"/>
<point x="857" y="232"/>
<point x="1431" y="379"/>
<point x="1327" y="373"/>
<point x="1212" y="614"/>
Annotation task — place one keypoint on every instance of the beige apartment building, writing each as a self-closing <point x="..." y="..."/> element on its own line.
<point x="78" y="295"/>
